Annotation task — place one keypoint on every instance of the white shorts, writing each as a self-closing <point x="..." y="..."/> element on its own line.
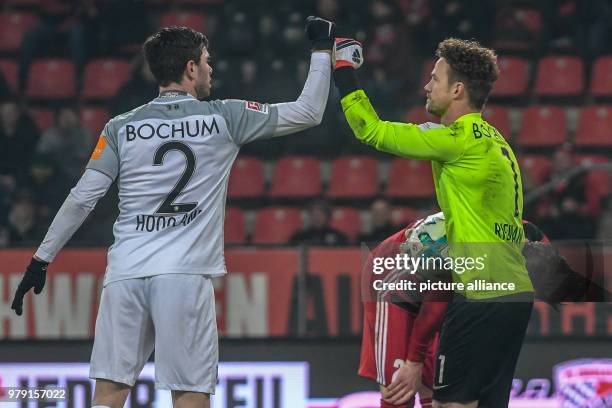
<point x="175" y="314"/>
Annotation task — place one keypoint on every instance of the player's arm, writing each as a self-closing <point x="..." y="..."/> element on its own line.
<point x="428" y="141"/>
<point x="250" y="121"/>
<point x="101" y="170"/>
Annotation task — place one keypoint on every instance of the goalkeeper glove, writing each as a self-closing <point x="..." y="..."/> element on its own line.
<point x="347" y="53"/>
<point x="321" y="33"/>
<point x="34" y="277"/>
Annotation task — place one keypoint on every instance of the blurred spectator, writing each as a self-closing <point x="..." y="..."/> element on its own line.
<point x="465" y="19"/>
<point x="140" y="89"/>
<point x="121" y="23"/>
<point x="68" y="142"/>
<point x="596" y="19"/>
<point x="382" y="227"/>
<point x="23" y="227"/>
<point x="49" y="186"/>
<point x="5" y="89"/>
<point x="61" y="21"/>
<point x="566" y="214"/>
<point x="18" y="139"/>
<point x="605" y="223"/>
<point x="319" y="231"/>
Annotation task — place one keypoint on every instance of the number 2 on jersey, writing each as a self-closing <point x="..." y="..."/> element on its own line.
<point x="169" y="206"/>
<point x="516" y="186"/>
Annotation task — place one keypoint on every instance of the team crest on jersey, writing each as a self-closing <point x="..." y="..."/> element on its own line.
<point x="257" y="107"/>
<point x="99" y="148"/>
<point x="585" y="383"/>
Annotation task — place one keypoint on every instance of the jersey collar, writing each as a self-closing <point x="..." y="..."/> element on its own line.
<point x="469" y="116"/>
<point x="172" y="96"/>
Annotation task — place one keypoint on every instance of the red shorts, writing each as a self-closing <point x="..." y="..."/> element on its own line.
<point x="384" y="347"/>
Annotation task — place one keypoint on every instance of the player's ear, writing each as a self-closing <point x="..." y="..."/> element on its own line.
<point x="190" y="69"/>
<point x="458" y="89"/>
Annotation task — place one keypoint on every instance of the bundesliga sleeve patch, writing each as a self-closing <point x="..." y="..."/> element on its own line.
<point x="257" y="107"/>
<point x="99" y="148"/>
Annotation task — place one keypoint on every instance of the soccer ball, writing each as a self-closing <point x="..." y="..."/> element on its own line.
<point x="427" y="238"/>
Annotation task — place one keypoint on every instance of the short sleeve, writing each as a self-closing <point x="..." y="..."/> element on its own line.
<point x="248" y="121"/>
<point x="105" y="157"/>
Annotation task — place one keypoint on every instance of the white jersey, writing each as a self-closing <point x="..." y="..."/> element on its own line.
<point x="173" y="158"/>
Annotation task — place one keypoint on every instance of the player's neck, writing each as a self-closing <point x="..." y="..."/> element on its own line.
<point x="455" y="111"/>
<point x="175" y="87"/>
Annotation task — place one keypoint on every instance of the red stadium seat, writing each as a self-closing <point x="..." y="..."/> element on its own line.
<point x="543" y="126"/>
<point x="347" y="220"/>
<point x="276" y="225"/>
<point x="234" y="226"/>
<point x="597" y="181"/>
<point x="410" y="179"/>
<point x="190" y="19"/>
<point x="535" y="166"/>
<point x="43" y="118"/>
<point x="51" y="78"/>
<point x="499" y="118"/>
<point x="246" y="178"/>
<point x="353" y="176"/>
<point x="13" y="27"/>
<point x="402" y="216"/>
<point x="559" y="76"/>
<point x="595" y="126"/>
<point x="9" y="72"/>
<point x="601" y="77"/>
<point x="104" y="77"/>
<point x="513" y="77"/>
<point x="94" y="119"/>
<point x="296" y="176"/>
<point x="419" y="115"/>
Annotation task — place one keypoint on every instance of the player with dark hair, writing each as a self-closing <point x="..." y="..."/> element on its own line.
<point x="172" y="157"/>
<point x="479" y="189"/>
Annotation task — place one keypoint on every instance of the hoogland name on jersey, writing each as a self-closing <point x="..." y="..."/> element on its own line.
<point x="151" y="223"/>
<point x="174" y="129"/>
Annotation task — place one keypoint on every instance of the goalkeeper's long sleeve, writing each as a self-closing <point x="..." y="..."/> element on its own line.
<point x="427" y="323"/>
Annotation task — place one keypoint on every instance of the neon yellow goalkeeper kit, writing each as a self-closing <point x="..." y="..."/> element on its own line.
<point x="478" y="187"/>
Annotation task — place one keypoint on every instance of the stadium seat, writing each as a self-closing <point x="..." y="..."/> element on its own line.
<point x="234" y="226"/>
<point x="499" y="117"/>
<point x="104" y="77"/>
<point x="51" y="78"/>
<point x="510" y="20"/>
<point x="353" y="177"/>
<point x="601" y="77"/>
<point x="595" y="126"/>
<point x="276" y="225"/>
<point x="43" y="118"/>
<point x="419" y="115"/>
<point x="8" y="68"/>
<point x="559" y="76"/>
<point x="347" y="220"/>
<point x="190" y="19"/>
<point x="543" y="126"/>
<point x="401" y="216"/>
<point x="246" y="178"/>
<point x="13" y="27"/>
<point x="410" y="179"/>
<point x="535" y="166"/>
<point x="296" y="177"/>
<point x="513" y="77"/>
<point x="598" y="181"/>
<point x="94" y="119"/>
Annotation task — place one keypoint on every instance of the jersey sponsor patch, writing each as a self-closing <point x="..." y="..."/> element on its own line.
<point x="257" y="107"/>
<point x="99" y="148"/>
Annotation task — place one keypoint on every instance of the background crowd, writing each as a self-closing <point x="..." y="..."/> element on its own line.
<point x="67" y="66"/>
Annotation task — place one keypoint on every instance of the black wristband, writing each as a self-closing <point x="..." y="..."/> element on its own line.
<point x="323" y="45"/>
<point x="36" y="265"/>
<point x="346" y="80"/>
